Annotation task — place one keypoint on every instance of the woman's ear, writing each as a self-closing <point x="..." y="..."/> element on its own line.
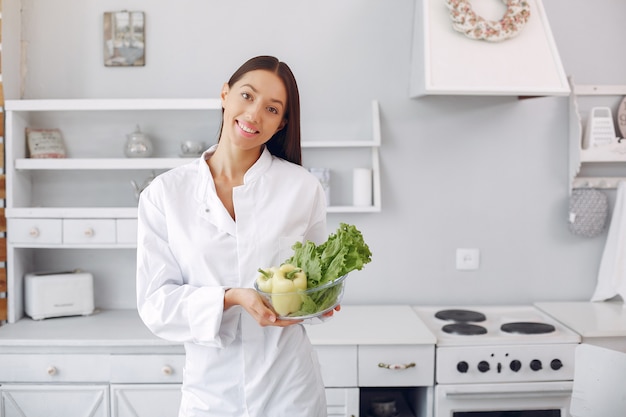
<point x="224" y="93"/>
<point x="281" y="125"/>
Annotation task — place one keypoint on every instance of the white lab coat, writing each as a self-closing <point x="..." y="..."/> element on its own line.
<point x="190" y="250"/>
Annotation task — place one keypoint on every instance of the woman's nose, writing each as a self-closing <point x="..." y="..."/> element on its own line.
<point x="253" y="112"/>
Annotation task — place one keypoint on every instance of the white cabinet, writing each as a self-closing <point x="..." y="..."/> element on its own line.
<point x="36" y="400"/>
<point x="594" y="166"/>
<point x="342" y="402"/>
<point x="145" y="400"/>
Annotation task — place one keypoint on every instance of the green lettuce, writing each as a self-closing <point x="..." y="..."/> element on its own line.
<point x="344" y="251"/>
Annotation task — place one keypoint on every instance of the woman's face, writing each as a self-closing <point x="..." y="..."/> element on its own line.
<point x="254" y="109"/>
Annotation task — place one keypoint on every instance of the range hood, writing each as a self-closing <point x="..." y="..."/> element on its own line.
<point x="447" y="62"/>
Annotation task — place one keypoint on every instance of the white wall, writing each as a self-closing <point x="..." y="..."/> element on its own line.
<point x="485" y="172"/>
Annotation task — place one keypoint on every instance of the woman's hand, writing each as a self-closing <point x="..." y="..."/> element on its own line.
<point x="331" y="312"/>
<point x="256" y="306"/>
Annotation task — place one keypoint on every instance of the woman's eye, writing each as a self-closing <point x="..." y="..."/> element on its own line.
<point x="273" y="110"/>
<point x="246" y="96"/>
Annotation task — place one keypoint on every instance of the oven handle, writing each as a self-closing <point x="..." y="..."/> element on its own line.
<point x="508" y="394"/>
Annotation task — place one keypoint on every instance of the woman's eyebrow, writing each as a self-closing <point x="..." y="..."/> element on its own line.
<point x="275" y="100"/>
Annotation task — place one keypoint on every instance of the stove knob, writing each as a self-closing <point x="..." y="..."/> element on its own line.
<point x="515" y="365"/>
<point x="556" y="364"/>
<point x="483" y="366"/>
<point x="535" y="365"/>
<point x="462" y="367"/>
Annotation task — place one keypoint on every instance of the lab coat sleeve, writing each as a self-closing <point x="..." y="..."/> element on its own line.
<point x="171" y="308"/>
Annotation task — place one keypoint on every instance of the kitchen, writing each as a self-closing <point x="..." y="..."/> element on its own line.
<point x="465" y="171"/>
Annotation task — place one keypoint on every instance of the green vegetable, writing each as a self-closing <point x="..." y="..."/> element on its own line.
<point x="313" y="266"/>
<point x="343" y="252"/>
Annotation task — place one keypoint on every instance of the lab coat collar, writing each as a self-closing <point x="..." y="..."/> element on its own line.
<point x="206" y="194"/>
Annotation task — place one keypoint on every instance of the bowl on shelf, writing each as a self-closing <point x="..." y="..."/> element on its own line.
<point x="312" y="302"/>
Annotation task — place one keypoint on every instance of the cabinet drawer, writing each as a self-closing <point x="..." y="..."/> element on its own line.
<point x="126" y="230"/>
<point x="371" y="374"/>
<point x="54" y="368"/>
<point x="147" y="368"/>
<point x="89" y="231"/>
<point x="34" y="231"/>
<point x="338" y="365"/>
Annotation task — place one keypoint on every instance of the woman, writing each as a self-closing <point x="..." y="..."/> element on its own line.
<point x="204" y="230"/>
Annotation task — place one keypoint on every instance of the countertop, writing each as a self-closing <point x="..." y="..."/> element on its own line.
<point x="372" y="325"/>
<point x="115" y="330"/>
<point x="589" y="319"/>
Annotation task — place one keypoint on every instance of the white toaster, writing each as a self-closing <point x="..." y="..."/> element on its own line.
<point x="58" y="294"/>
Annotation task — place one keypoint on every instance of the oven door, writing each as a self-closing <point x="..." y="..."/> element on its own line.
<point x="530" y="399"/>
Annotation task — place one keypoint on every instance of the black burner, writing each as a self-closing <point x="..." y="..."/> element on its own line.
<point x="460" y="315"/>
<point x="464" y="329"/>
<point x="527" y="328"/>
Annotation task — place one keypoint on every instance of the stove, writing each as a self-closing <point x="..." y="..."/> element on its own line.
<point x="496" y="358"/>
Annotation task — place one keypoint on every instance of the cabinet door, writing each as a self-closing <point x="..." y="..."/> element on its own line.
<point x="342" y="402"/>
<point x="54" y="400"/>
<point x="338" y="365"/>
<point x="145" y="400"/>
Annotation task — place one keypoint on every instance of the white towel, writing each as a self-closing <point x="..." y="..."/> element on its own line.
<point x="612" y="272"/>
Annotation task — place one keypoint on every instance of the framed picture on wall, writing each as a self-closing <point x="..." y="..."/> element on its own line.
<point x="124" y="39"/>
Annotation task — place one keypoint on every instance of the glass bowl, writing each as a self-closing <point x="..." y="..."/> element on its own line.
<point x="314" y="301"/>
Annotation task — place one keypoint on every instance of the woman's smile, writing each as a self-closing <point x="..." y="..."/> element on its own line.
<point x="246" y="128"/>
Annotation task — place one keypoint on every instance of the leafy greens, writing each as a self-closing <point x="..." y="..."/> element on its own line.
<point x="344" y="251"/>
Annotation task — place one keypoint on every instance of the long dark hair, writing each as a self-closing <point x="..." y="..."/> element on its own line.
<point x="286" y="142"/>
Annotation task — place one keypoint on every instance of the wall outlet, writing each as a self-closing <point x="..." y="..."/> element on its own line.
<point x="467" y="259"/>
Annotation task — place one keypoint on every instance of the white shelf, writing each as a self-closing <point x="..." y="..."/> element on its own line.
<point x="124" y="212"/>
<point x="98" y="163"/>
<point x="606" y="154"/>
<point x="113" y="104"/>
<point x="72" y="212"/>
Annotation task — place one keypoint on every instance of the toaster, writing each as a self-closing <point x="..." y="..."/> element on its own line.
<point x="58" y="294"/>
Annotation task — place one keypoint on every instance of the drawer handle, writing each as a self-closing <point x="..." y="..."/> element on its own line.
<point x="89" y="232"/>
<point x="34" y="232"/>
<point x="51" y="370"/>
<point x="396" y="366"/>
<point x="167" y="370"/>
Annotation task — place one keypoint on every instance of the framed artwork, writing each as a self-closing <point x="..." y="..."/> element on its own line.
<point x="45" y="143"/>
<point x="124" y="39"/>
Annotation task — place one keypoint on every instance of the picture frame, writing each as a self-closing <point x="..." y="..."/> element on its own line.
<point x="124" y="39"/>
<point x="45" y="143"/>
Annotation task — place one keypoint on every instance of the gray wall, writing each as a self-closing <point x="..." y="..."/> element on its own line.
<point x="484" y="172"/>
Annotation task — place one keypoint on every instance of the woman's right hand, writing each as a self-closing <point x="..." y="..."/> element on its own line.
<point x="256" y="306"/>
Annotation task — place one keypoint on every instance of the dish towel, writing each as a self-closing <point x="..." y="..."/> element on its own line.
<point x="612" y="272"/>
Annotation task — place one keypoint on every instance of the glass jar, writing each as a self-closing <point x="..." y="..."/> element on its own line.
<point x="138" y="145"/>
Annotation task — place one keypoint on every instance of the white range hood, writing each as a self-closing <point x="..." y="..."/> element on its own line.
<point x="446" y="62"/>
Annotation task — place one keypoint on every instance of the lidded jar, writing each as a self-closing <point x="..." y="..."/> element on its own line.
<point x="138" y="145"/>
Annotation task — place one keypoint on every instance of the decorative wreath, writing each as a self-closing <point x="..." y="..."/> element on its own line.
<point x="473" y="26"/>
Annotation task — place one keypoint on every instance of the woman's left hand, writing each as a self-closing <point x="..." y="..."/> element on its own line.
<point x="331" y="312"/>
